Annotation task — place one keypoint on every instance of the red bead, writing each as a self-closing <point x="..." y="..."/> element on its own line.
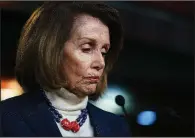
<point x="66" y="124"/>
<point x="75" y="126"/>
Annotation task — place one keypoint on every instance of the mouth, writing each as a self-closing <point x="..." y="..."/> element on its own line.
<point x="93" y="79"/>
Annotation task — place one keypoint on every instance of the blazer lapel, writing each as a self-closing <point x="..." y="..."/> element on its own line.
<point x="40" y="119"/>
<point x="97" y="118"/>
<point x="41" y="122"/>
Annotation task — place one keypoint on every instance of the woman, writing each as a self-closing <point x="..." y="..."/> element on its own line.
<point x="65" y="52"/>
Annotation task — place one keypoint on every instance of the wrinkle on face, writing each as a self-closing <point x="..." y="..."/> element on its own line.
<point x="88" y="33"/>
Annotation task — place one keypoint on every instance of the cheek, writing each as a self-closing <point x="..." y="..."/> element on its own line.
<point x="76" y="66"/>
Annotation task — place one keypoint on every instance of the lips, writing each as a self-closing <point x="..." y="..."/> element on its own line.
<point x="93" y="78"/>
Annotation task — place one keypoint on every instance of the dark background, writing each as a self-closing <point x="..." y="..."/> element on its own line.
<point x="157" y="61"/>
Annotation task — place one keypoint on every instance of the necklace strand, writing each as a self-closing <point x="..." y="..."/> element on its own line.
<point x="65" y="123"/>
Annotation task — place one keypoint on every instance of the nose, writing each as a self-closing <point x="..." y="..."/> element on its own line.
<point x="98" y="62"/>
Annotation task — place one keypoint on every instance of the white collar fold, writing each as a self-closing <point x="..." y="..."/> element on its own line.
<point x="64" y="100"/>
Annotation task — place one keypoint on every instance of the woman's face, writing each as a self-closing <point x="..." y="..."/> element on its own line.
<point x="84" y="54"/>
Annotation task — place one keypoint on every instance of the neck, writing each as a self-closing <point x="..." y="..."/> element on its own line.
<point x="62" y="99"/>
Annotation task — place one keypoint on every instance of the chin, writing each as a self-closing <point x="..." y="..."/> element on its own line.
<point x="86" y="90"/>
<point x="90" y="89"/>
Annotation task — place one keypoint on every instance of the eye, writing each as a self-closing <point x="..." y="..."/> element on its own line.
<point x="86" y="48"/>
<point x="104" y="52"/>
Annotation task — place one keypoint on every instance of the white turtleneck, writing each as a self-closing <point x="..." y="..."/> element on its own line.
<point x="70" y="106"/>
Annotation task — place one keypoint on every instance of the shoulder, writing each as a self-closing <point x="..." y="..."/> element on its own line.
<point x="12" y="111"/>
<point x="9" y="112"/>
<point x="16" y="102"/>
<point x="107" y="115"/>
<point x="19" y="103"/>
<point x="117" y="123"/>
<point x="12" y="103"/>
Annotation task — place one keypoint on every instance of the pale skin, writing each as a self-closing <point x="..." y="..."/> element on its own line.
<point x="84" y="54"/>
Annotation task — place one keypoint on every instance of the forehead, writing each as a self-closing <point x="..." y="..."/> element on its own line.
<point x="88" y="26"/>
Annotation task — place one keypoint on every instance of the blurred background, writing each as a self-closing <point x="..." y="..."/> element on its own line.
<point x="152" y="82"/>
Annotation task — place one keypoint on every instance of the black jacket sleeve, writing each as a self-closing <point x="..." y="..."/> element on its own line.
<point x="1" y="127"/>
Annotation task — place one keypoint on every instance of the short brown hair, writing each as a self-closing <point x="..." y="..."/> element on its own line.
<point x="42" y="40"/>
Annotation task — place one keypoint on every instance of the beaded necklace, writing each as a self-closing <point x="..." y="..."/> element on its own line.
<point x="67" y="125"/>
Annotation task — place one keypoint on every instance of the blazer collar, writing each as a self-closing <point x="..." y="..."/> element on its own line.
<point x="42" y="123"/>
<point x="97" y="118"/>
<point x="39" y="118"/>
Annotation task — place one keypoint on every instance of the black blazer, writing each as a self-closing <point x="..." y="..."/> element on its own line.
<point x="28" y="116"/>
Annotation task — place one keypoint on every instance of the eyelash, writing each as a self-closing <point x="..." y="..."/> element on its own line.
<point x="104" y="54"/>
<point x="87" y="50"/>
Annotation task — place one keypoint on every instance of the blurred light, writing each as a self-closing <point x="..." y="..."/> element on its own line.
<point x="146" y="118"/>
<point x="10" y="88"/>
<point x="107" y="101"/>
<point x="6" y="4"/>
